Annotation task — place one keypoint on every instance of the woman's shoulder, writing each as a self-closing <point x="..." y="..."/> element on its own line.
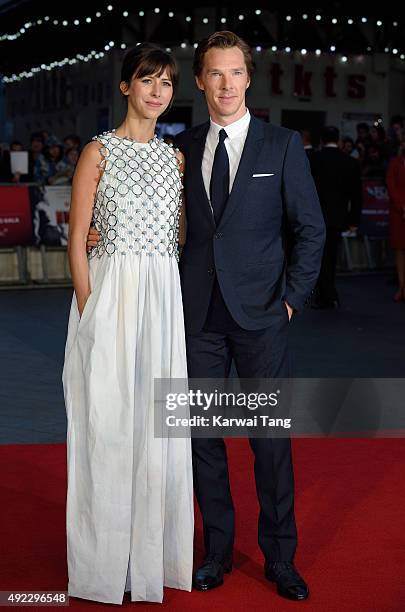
<point x="92" y="149"/>
<point x="103" y="137"/>
<point x="92" y="155"/>
<point x="174" y="150"/>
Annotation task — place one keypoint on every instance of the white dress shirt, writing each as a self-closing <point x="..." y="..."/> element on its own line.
<point x="237" y="132"/>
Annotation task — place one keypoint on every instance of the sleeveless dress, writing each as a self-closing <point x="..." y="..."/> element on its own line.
<point x="130" y="496"/>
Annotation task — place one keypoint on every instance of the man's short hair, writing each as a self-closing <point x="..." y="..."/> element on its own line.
<point x="330" y="133"/>
<point x="221" y="40"/>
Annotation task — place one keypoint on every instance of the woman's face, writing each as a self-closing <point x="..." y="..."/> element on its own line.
<point x="149" y="96"/>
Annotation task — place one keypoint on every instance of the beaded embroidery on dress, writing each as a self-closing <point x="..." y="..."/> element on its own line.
<point x="137" y="203"/>
<point x="130" y="495"/>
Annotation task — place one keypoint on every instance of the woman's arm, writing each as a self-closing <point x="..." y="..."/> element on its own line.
<point x="85" y="181"/>
<point x="182" y="219"/>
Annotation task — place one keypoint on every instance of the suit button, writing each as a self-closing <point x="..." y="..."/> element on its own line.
<point x="218" y="235"/>
<point x="211" y="271"/>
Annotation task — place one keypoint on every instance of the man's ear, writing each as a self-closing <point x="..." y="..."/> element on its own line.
<point x="124" y="88"/>
<point x="248" y="84"/>
<point x="199" y="84"/>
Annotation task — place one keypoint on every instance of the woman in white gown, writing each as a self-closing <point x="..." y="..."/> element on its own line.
<point x="130" y="494"/>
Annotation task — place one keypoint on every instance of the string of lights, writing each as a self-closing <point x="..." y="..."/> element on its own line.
<point x="31" y="72"/>
<point x="98" y="55"/>
<point x="86" y="20"/>
<point x="49" y="21"/>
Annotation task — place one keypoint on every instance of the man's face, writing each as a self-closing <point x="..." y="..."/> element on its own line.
<point x="224" y="80"/>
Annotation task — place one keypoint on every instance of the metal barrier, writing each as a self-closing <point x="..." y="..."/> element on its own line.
<point x="31" y="266"/>
<point x="36" y="266"/>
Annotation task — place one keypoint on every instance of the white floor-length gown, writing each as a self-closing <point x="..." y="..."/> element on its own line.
<point x="130" y="496"/>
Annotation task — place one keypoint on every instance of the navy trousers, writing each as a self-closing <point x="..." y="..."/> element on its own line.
<point x="256" y="354"/>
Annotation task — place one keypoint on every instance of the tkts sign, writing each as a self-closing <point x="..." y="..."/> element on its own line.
<point x="302" y="82"/>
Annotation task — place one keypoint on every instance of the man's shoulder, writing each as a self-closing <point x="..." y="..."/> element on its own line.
<point x="278" y="129"/>
<point x="277" y="132"/>
<point x="187" y="135"/>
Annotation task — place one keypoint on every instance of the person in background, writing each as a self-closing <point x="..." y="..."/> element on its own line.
<point x="308" y="145"/>
<point x="395" y="134"/>
<point x="52" y="155"/>
<point x="71" y="142"/>
<point x="6" y="175"/>
<point x="349" y="147"/>
<point x="374" y="165"/>
<point x="361" y="150"/>
<point x="363" y="134"/>
<point x="337" y="178"/>
<point x="37" y="161"/>
<point x="65" y="168"/>
<point x="396" y="189"/>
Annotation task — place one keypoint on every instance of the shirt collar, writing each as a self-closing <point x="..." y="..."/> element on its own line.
<point x="233" y="129"/>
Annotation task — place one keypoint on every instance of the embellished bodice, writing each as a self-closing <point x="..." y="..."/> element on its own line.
<point x="137" y="203"/>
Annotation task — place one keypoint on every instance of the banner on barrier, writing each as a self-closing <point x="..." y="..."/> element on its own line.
<point x="15" y="216"/>
<point x="375" y="210"/>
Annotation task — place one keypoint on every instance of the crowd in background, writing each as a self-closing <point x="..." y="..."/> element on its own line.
<point x="339" y="167"/>
<point x="50" y="160"/>
<point x="373" y="146"/>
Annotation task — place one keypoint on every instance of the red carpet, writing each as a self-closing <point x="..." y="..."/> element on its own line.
<point x="350" y="498"/>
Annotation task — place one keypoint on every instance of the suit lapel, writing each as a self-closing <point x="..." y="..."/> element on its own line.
<point x="194" y="166"/>
<point x="253" y="144"/>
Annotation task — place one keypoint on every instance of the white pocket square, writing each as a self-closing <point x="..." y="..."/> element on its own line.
<point x="259" y="175"/>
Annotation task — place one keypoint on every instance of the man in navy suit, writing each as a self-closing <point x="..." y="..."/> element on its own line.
<point x="239" y="294"/>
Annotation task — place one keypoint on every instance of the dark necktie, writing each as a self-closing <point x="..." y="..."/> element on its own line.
<point x="219" y="185"/>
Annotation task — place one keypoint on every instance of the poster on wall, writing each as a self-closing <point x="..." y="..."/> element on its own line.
<point x="50" y="210"/>
<point x="15" y="216"/>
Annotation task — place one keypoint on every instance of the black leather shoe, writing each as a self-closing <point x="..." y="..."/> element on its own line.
<point x="211" y="572"/>
<point x="289" y="583"/>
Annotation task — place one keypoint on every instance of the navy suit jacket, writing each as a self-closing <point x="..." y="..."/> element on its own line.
<point x="247" y="249"/>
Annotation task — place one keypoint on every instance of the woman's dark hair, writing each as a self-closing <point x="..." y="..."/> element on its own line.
<point x="148" y="59"/>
